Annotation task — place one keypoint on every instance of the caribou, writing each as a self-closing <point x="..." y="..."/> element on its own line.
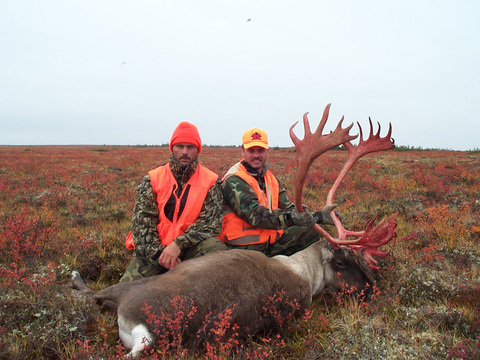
<point x="242" y="280"/>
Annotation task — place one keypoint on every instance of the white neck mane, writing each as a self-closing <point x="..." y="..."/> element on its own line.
<point x="309" y="264"/>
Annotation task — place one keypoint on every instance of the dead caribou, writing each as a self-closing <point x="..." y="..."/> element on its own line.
<point x="241" y="280"/>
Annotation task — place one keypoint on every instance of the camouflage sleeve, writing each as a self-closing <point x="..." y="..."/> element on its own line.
<point x="242" y="200"/>
<point x="284" y="202"/>
<point x="145" y="220"/>
<point x="209" y="222"/>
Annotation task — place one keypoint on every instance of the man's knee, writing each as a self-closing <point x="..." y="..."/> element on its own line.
<point x="207" y="246"/>
<point x="210" y="245"/>
<point x="263" y="247"/>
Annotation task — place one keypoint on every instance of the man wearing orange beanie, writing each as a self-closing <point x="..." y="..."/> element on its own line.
<point x="178" y="210"/>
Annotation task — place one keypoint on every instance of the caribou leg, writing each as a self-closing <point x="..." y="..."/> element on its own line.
<point x="77" y="282"/>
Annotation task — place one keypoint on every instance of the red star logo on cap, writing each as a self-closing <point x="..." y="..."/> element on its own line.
<point x="256" y="136"/>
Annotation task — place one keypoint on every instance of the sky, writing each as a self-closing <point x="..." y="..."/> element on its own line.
<point x="119" y="72"/>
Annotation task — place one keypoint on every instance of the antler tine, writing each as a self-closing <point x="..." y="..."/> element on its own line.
<point x="313" y="145"/>
<point x="306" y="144"/>
<point x="373" y="238"/>
<point x="372" y="144"/>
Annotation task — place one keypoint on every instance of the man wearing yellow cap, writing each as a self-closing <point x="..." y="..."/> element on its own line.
<point x="178" y="210"/>
<point x="257" y="213"/>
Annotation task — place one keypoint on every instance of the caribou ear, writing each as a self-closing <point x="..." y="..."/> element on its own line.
<point x="327" y="255"/>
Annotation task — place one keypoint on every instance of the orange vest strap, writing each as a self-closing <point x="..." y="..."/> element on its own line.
<point x="129" y="241"/>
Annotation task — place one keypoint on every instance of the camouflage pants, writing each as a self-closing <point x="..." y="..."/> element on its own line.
<point x="294" y="239"/>
<point x="141" y="268"/>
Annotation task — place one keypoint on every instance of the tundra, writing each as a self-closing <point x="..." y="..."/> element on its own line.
<point x="242" y="280"/>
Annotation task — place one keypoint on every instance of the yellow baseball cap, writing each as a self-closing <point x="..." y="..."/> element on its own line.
<point x="255" y="137"/>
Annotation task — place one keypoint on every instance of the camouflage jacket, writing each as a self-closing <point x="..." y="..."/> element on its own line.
<point x="146" y="215"/>
<point x="239" y="197"/>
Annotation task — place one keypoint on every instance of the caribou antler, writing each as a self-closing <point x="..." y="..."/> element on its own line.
<point x="373" y="143"/>
<point x="314" y="145"/>
<point x="311" y="147"/>
<point x="372" y="238"/>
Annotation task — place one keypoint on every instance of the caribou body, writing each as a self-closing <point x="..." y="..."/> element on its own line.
<point x="240" y="280"/>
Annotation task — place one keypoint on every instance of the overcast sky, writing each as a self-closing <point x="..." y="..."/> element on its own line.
<point x="127" y="72"/>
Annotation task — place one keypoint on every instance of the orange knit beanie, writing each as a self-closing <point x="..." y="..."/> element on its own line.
<point x="186" y="132"/>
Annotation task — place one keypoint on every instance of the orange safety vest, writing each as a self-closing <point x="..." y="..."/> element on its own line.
<point x="236" y="231"/>
<point x="164" y="184"/>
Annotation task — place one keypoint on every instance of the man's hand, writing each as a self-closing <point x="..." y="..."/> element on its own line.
<point x="304" y="218"/>
<point x="169" y="258"/>
<point x="324" y="217"/>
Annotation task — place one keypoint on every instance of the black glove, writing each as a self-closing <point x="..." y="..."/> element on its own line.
<point x="323" y="216"/>
<point x="304" y="218"/>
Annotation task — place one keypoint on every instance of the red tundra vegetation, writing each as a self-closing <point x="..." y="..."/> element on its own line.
<point x="69" y="207"/>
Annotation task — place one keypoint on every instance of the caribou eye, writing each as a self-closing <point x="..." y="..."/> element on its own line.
<point x="339" y="264"/>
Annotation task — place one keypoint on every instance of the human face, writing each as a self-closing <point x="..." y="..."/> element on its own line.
<point x="255" y="156"/>
<point x="185" y="153"/>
